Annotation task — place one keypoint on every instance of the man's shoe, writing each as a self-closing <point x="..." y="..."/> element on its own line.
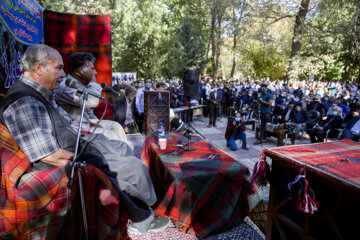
<point x="215" y="125"/>
<point x="246" y="148"/>
<point x="209" y="125"/>
<point x="133" y="230"/>
<point x="159" y="224"/>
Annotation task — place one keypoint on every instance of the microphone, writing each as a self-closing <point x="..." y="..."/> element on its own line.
<point x="106" y="87"/>
<point x="71" y="83"/>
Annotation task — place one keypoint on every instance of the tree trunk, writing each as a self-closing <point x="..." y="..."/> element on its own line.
<point x="218" y="46"/>
<point x="299" y="28"/>
<point x="212" y="38"/>
<point x="234" y="46"/>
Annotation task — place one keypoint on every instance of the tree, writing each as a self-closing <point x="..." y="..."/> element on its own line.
<point x="186" y="48"/>
<point x="217" y="12"/>
<point x="238" y="17"/>
<point x="331" y="42"/>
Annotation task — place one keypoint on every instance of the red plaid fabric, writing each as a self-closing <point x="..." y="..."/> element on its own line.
<point x="340" y="159"/>
<point x="69" y="33"/>
<point x="39" y="204"/>
<point x="205" y="191"/>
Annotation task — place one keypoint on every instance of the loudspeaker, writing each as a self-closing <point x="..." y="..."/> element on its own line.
<point x="191" y="83"/>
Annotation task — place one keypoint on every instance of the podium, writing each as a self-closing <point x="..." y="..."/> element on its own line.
<point x="156" y="110"/>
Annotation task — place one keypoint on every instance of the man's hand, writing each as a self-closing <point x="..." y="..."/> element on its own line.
<point x="60" y="158"/>
<point x="126" y="130"/>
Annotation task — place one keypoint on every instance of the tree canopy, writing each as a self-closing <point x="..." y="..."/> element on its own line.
<point x="230" y="38"/>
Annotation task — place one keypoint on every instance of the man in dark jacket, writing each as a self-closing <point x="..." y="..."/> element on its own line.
<point x="124" y="109"/>
<point x="317" y="105"/>
<point x="235" y="102"/>
<point x="299" y="117"/>
<point x="214" y="104"/>
<point x="332" y="121"/>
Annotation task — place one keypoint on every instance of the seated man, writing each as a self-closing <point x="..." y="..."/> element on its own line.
<point x="317" y="134"/>
<point x="47" y="134"/>
<point x="352" y="129"/>
<point x="82" y="71"/>
<point x="236" y="131"/>
<point x="124" y="109"/>
<point x="299" y="117"/>
<point x="285" y="116"/>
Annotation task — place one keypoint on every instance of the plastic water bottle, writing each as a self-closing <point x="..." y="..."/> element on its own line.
<point x="161" y="131"/>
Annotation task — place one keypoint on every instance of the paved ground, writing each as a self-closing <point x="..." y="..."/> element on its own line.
<point x="217" y="137"/>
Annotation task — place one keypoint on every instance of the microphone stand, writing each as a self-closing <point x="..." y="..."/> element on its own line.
<point x="78" y="165"/>
<point x="187" y="133"/>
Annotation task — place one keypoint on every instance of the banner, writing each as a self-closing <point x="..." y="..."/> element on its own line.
<point x="123" y="77"/>
<point x="23" y="19"/>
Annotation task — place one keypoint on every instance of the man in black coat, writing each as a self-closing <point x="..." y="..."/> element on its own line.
<point x="214" y="104"/>
<point x="299" y="117"/>
<point x="124" y="108"/>
<point x="332" y="121"/>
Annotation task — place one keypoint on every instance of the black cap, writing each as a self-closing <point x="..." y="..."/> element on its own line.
<point x="263" y="85"/>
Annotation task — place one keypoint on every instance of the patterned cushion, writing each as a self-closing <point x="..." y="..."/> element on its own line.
<point x="37" y="204"/>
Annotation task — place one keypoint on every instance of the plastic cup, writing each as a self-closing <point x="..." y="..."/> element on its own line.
<point x="162" y="143"/>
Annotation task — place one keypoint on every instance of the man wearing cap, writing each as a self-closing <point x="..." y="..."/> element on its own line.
<point x="214" y="104"/>
<point x="266" y="102"/>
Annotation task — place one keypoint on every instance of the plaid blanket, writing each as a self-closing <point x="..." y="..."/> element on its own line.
<point x="204" y="191"/>
<point x="339" y="160"/>
<point x="69" y="33"/>
<point x="39" y="204"/>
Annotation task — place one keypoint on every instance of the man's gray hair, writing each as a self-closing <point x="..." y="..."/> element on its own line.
<point x="129" y="90"/>
<point x="38" y="53"/>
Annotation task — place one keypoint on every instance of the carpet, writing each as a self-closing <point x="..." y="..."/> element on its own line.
<point x="246" y="230"/>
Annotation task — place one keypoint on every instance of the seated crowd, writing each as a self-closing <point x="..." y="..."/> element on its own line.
<point x="317" y="108"/>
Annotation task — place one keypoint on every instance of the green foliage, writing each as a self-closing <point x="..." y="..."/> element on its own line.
<point x="162" y="38"/>
<point x="266" y="62"/>
<point x="332" y="40"/>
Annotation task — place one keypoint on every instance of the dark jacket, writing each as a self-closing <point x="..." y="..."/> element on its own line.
<point x="120" y="110"/>
<point x="236" y="102"/>
<point x="332" y="122"/>
<point x="217" y="100"/>
<point x="303" y="116"/>
<point x="317" y="106"/>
